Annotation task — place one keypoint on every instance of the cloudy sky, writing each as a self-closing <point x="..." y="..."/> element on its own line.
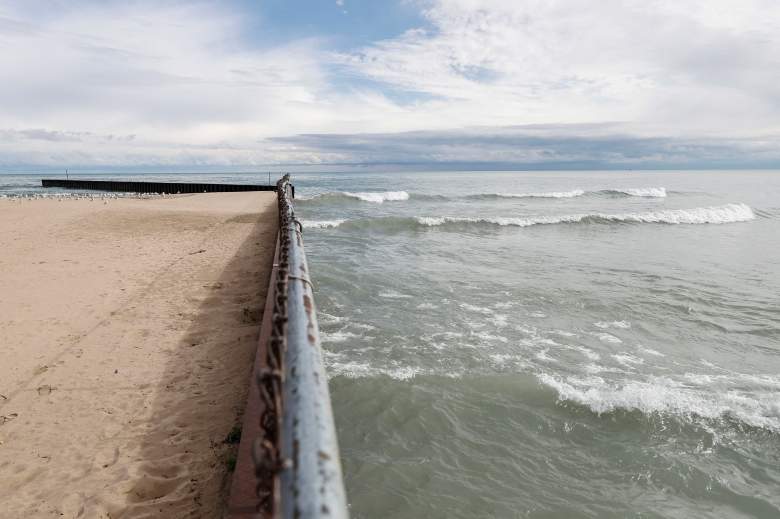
<point x="390" y="83"/>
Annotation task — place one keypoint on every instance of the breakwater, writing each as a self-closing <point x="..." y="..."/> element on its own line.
<point x="154" y="187"/>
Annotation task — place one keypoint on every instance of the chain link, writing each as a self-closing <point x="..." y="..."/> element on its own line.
<point x="270" y="379"/>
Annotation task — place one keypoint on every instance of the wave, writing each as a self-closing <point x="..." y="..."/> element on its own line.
<point x="551" y="194"/>
<point x="614" y="324"/>
<point x="729" y="213"/>
<point x="377" y="197"/>
<point x="773" y="213"/>
<point x="664" y="395"/>
<point x="321" y="224"/>
<point x="726" y="403"/>
<point x="651" y="192"/>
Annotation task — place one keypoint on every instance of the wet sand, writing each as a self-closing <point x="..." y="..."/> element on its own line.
<point x="127" y="331"/>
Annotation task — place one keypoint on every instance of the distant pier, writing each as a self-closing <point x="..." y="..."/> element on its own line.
<point x="152" y="187"/>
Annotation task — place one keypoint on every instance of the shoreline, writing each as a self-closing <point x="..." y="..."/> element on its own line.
<point x="128" y="331"/>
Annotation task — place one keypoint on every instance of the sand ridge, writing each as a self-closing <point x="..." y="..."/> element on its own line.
<point x="127" y="329"/>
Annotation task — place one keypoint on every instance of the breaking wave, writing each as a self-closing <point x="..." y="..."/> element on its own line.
<point x="552" y="194"/>
<point x="321" y="224"/>
<point x="664" y="395"/>
<point x="700" y="215"/>
<point x="652" y="192"/>
<point x="377" y="197"/>
<point x="729" y="213"/>
<point x="655" y="192"/>
<point x="722" y="401"/>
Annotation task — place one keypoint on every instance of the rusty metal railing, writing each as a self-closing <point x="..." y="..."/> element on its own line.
<point x="300" y="451"/>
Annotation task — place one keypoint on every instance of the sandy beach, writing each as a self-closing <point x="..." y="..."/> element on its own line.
<point x="127" y="331"/>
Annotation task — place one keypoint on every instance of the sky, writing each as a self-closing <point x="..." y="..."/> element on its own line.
<point x="422" y="84"/>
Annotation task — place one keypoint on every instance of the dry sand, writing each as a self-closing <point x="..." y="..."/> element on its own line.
<point x="127" y="332"/>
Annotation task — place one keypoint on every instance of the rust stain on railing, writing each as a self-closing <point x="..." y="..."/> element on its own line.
<point x="297" y="471"/>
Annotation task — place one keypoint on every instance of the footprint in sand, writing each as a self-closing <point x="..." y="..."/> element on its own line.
<point x="45" y="389"/>
<point x="7" y="418"/>
<point x="149" y="488"/>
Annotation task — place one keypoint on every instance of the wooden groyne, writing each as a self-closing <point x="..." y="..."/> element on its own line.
<point x="152" y="187"/>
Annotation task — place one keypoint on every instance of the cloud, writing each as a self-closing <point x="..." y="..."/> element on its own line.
<point x="673" y="66"/>
<point x="532" y="82"/>
<point x="169" y="67"/>
<point x="602" y="146"/>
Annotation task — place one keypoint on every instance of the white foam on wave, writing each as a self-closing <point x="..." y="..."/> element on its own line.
<point x="594" y="369"/>
<point x="613" y="324"/>
<point x="542" y="355"/>
<point x="650" y="351"/>
<point x="664" y="395"/>
<point x="321" y="224"/>
<point x="590" y="354"/>
<point x="476" y="309"/>
<point x="654" y="192"/>
<point x="552" y="194"/>
<point x="489" y="337"/>
<point x="526" y="330"/>
<point x="338" y="365"/>
<point x="434" y="221"/>
<point x="363" y="370"/>
<point x="608" y="337"/>
<point x="376" y="197"/>
<point x="728" y="213"/>
<point x="326" y="318"/>
<point x="379" y="197"/>
<point x="627" y="359"/>
<point x="392" y="294"/>
<point x="499" y="320"/>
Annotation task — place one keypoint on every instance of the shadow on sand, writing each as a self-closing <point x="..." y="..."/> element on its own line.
<point x="186" y="454"/>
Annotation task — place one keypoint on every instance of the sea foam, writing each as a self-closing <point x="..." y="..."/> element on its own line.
<point x="664" y="395"/>
<point x="379" y="197"/>
<point x="376" y="197"/>
<point x="652" y="192"/>
<point x="321" y="224"/>
<point x="552" y="194"/>
<point x="699" y="215"/>
<point x="614" y="324"/>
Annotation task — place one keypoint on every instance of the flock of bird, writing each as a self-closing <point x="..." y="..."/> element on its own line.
<point x="105" y="197"/>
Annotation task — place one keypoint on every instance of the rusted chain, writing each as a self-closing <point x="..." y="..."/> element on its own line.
<point x="266" y="455"/>
<point x="299" y="453"/>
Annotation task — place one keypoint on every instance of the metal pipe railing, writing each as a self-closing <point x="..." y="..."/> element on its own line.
<point x="303" y="451"/>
